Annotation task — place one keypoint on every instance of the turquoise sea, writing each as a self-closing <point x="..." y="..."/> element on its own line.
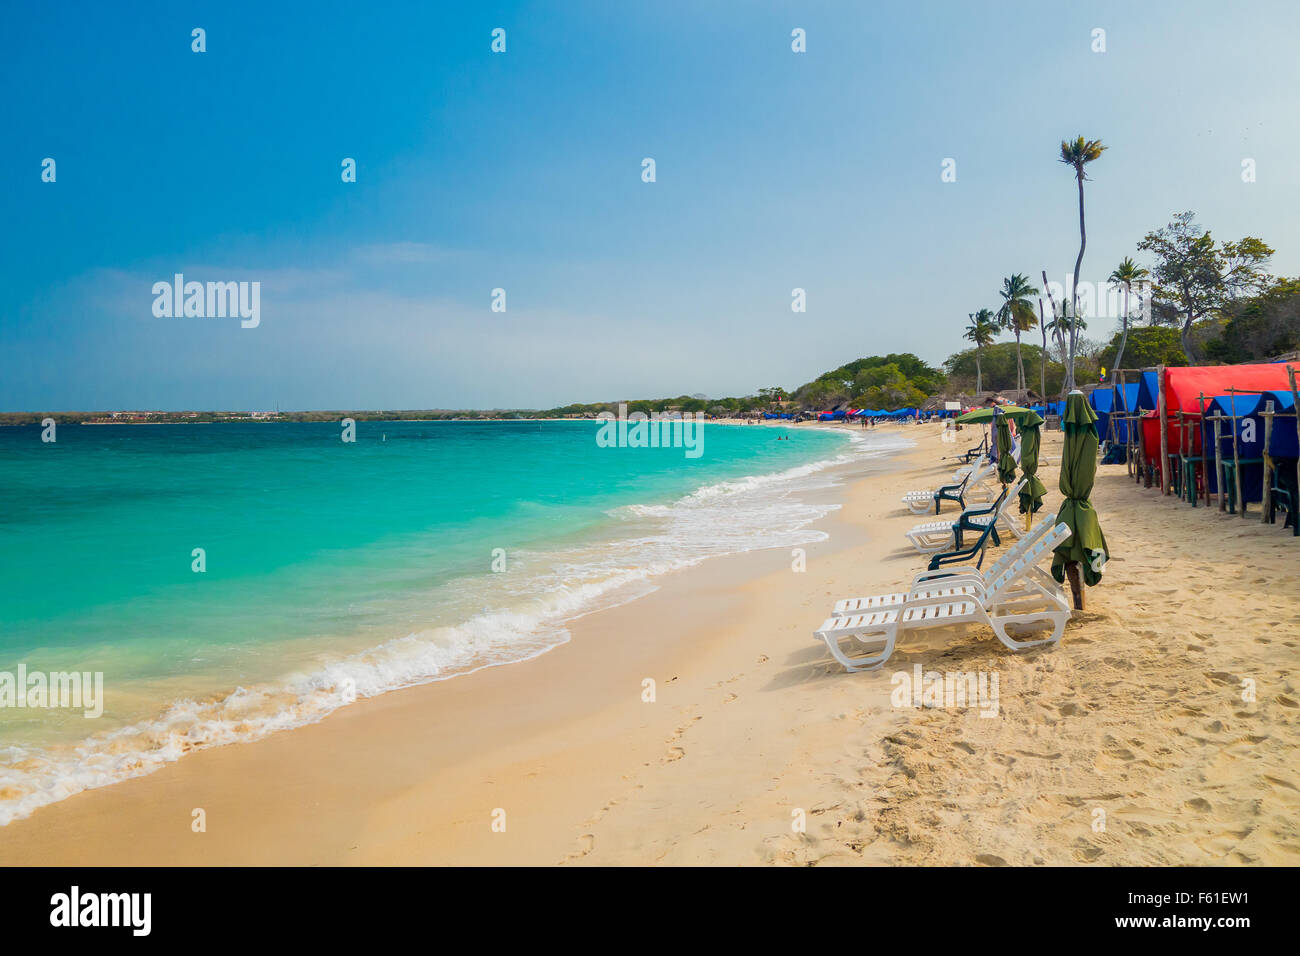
<point x="335" y="570"/>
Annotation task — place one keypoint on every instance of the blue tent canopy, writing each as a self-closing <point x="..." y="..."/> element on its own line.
<point x="1120" y="405"/>
<point x="1283" y="443"/>
<point x="1249" y="433"/>
<point x="1148" y="392"/>
<point x="1101" y="399"/>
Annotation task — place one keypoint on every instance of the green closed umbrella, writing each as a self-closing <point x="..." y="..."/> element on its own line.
<point x="1086" y="546"/>
<point x="1006" y="464"/>
<point x="1031" y="437"/>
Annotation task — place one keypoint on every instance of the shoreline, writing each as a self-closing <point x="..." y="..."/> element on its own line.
<point x="213" y="703"/>
<point x="1137" y="713"/>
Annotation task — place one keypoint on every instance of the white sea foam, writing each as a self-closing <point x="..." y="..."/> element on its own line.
<point x="551" y="589"/>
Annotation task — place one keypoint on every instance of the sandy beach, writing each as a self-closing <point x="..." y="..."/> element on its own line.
<point x="1136" y="720"/>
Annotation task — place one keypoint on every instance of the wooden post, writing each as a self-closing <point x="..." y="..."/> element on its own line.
<point x="1205" y="474"/>
<point x="1295" y="398"/>
<point x="1236" y="458"/>
<point x="1266" y="494"/>
<point x="1128" y="425"/>
<point x="1142" y="457"/>
<point x="1218" y="461"/>
<point x="1182" y="452"/>
<point x="1165" y="485"/>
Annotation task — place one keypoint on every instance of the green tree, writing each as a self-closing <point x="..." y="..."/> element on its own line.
<point x="1000" y="367"/>
<point x="1194" y="278"/>
<point x="981" y="331"/>
<point x="1147" y="346"/>
<point x="1260" y="327"/>
<point x="1077" y="154"/>
<point x="1017" y="314"/>
<point x="1125" y="275"/>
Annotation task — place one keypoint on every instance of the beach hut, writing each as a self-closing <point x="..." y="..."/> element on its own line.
<point x="1180" y="393"/>
<point x="1233" y="439"/>
<point x="1281" y="480"/>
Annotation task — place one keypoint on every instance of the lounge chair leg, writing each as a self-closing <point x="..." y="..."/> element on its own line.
<point x="1058" y="619"/>
<point x="865" y="662"/>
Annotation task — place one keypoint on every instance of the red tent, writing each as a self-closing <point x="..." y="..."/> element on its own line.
<point x="1184" y="388"/>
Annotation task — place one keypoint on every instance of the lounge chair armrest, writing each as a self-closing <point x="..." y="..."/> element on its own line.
<point x="967" y="570"/>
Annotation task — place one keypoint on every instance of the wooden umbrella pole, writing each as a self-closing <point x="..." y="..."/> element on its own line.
<point x="1076" y="585"/>
<point x="1165" y="485"/>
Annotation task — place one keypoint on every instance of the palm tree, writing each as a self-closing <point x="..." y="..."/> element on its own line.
<point x="981" y="330"/>
<point x="1078" y="154"/>
<point x="1125" y="274"/>
<point x="1017" y="314"/>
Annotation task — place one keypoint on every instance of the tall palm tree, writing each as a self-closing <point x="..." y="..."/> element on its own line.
<point x="981" y="330"/>
<point x="1017" y="314"/>
<point x="1078" y="153"/>
<point x="1125" y="274"/>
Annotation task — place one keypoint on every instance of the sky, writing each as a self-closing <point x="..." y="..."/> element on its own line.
<point x="522" y="170"/>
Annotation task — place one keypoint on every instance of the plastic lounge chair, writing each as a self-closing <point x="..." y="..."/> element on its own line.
<point x="969" y="487"/>
<point x="967" y="553"/>
<point x="962" y="575"/>
<point x="1011" y="602"/>
<point x="955" y="580"/>
<point x="918" y="502"/>
<point x="974" y="519"/>
<point x="960" y="473"/>
<point x="932" y="536"/>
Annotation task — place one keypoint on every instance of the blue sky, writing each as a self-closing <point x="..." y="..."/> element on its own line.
<point x="522" y="171"/>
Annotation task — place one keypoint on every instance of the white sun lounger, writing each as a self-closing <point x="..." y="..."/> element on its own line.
<point x="1035" y="577"/>
<point x="930" y="536"/>
<point x="961" y="472"/>
<point x="1007" y="603"/>
<point x="954" y="579"/>
<point x="919" y="502"/>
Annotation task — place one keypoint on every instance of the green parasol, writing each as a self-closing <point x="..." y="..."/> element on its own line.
<point x="1086" y="545"/>
<point x="979" y="415"/>
<point x="1006" y="463"/>
<point x="1031" y="436"/>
